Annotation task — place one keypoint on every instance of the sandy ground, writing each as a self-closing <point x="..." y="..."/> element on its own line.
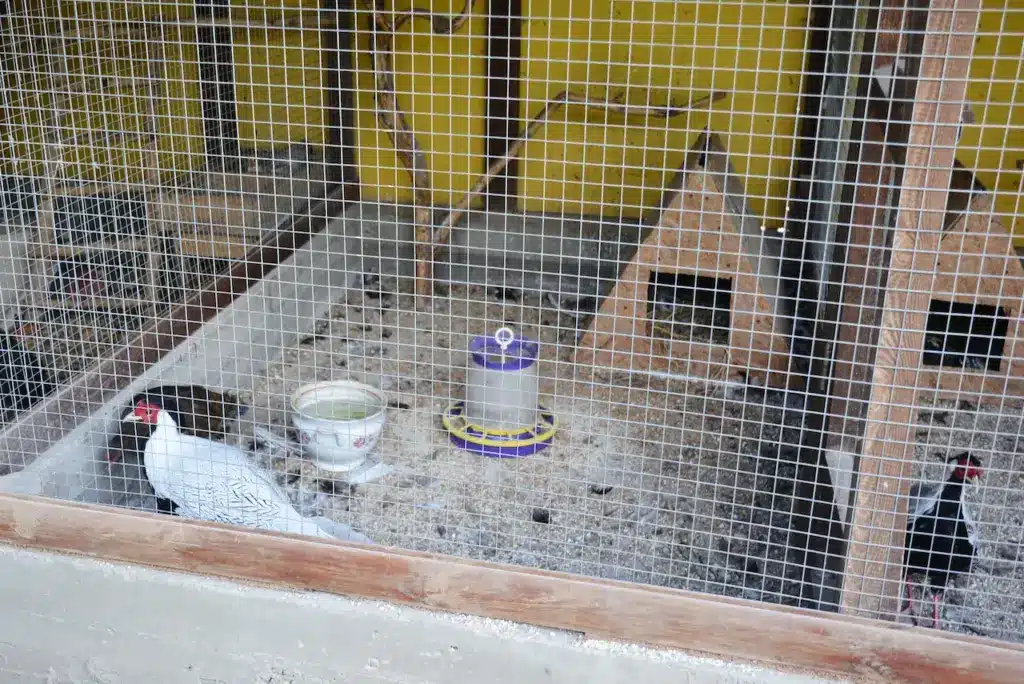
<point x="648" y="480"/>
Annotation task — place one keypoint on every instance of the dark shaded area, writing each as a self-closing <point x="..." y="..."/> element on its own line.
<point x="504" y="51"/>
<point x="115" y="273"/>
<point x="338" y="43"/>
<point x="19" y="199"/>
<point x="701" y="303"/>
<point x="24" y="379"/>
<point x="813" y="270"/>
<point x="217" y="87"/>
<point x="79" y="220"/>
<point x="965" y="335"/>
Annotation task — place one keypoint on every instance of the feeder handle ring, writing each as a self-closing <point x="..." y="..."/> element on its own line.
<point x="504" y="337"/>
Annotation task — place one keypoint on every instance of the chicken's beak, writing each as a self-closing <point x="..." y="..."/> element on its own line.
<point x="131" y="418"/>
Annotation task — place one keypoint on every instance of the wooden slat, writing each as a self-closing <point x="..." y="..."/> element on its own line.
<point x="337" y="45"/>
<point x="875" y="560"/>
<point x="784" y="637"/>
<point x="504" y="52"/>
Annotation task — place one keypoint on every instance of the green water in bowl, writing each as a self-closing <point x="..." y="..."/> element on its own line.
<point x="340" y="410"/>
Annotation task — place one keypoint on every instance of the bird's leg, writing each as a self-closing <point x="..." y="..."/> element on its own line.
<point x="936" y="611"/>
<point x="908" y="603"/>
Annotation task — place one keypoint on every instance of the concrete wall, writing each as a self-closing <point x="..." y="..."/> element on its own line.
<point x="82" y="621"/>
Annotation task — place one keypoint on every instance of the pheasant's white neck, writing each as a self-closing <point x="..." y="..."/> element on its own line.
<point x="166" y="431"/>
<point x="165" y="422"/>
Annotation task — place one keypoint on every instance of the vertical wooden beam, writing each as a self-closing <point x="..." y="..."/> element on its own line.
<point x="875" y="561"/>
<point x="217" y="86"/>
<point x="504" y="50"/>
<point x="337" y="41"/>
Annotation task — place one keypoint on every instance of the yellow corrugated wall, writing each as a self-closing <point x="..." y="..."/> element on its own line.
<point x="116" y="108"/>
<point x="278" y="89"/>
<point x="994" y="146"/>
<point x="659" y="52"/>
<point x="441" y="85"/>
<point x="646" y="51"/>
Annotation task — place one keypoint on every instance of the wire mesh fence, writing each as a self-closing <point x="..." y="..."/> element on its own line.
<point x="722" y="296"/>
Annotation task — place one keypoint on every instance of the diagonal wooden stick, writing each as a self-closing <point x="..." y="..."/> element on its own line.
<point x="394" y="121"/>
<point x="409" y="151"/>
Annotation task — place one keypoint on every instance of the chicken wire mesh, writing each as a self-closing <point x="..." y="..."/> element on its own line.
<point x="683" y="213"/>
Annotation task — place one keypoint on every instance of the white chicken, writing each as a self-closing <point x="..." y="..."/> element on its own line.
<point x="216" y="482"/>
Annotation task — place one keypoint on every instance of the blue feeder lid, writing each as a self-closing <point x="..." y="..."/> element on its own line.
<point x="503" y="352"/>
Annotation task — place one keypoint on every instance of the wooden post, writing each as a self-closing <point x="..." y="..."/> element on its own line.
<point x="504" y="51"/>
<point x="875" y="563"/>
<point x="217" y="85"/>
<point x="337" y="42"/>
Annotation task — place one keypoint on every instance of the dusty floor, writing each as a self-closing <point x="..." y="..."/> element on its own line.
<point x="648" y="480"/>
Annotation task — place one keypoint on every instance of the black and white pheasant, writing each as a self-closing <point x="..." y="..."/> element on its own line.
<point x="199" y="411"/>
<point x="942" y="539"/>
<point x="206" y="480"/>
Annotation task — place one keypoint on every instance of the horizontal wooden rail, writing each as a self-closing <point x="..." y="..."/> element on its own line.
<point x="731" y="628"/>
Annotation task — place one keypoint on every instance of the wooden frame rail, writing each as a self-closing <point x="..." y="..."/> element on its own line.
<point x="878" y="531"/>
<point x="789" y="638"/>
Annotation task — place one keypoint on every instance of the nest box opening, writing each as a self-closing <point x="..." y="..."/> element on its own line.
<point x="689" y="307"/>
<point x="965" y="335"/>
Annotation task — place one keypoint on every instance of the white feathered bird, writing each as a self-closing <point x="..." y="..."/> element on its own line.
<point x="216" y="482"/>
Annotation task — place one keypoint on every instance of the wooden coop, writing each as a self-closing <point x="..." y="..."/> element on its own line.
<point x="974" y="338"/>
<point x="716" y="251"/>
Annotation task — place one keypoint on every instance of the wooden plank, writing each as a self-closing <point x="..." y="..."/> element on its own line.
<point x="337" y="41"/>
<point x="504" y="50"/>
<point x="875" y="561"/>
<point x="202" y="224"/>
<point x="784" y="637"/>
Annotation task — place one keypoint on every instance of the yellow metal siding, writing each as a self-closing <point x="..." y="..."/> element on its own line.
<point x="279" y="88"/>
<point x="647" y="52"/>
<point x="658" y="52"/>
<point x="114" y="106"/>
<point x="994" y="146"/>
<point x="444" y="97"/>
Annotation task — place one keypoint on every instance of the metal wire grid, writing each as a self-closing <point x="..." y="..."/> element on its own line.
<point x="677" y="458"/>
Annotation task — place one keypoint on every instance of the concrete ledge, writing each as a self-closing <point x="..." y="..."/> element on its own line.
<point x="570" y="255"/>
<point x="75" y="620"/>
